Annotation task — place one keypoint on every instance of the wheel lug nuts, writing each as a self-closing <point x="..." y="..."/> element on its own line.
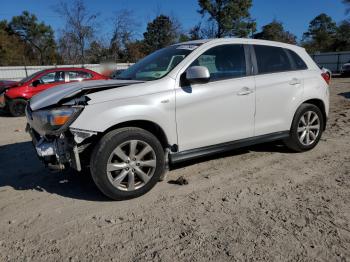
<point x="138" y="164"/>
<point x="134" y="159"/>
<point x="127" y="168"/>
<point x="133" y="170"/>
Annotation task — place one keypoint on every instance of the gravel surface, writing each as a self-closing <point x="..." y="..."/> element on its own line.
<point x="260" y="203"/>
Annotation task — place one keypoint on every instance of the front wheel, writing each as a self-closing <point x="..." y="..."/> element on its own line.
<point x="17" y="107"/>
<point x="306" y="128"/>
<point x="127" y="163"/>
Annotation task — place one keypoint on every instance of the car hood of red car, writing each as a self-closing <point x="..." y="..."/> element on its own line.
<point x="8" y="83"/>
<point x="5" y="84"/>
<point x="56" y="94"/>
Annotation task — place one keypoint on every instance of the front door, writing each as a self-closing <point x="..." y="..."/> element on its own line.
<point x="47" y="81"/>
<point x="221" y="110"/>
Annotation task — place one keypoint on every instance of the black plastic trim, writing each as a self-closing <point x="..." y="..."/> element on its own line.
<point x="223" y="147"/>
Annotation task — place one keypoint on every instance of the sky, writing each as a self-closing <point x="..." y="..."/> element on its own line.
<point x="295" y="14"/>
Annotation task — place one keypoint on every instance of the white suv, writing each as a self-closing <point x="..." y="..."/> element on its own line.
<point x="181" y="102"/>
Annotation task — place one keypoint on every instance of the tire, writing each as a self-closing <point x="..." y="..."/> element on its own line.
<point x="112" y="150"/>
<point x="17" y="107"/>
<point x="296" y="141"/>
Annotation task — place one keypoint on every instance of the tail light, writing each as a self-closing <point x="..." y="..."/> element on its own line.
<point x="326" y="77"/>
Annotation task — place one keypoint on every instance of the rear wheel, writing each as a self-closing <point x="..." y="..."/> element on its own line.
<point x="127" y="163"/>
<point x="306" y="128"/>
<point x="17" y="107"/>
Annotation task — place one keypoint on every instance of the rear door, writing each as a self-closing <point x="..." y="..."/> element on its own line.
<point x="78" y="76"/>
<point x="279" y="87"/>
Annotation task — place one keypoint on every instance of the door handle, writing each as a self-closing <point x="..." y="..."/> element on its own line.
<point x="245" y="91"/>
<point x="295" y="81"/>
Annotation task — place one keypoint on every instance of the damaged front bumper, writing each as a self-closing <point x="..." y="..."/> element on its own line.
<point x="57" y="153"/>
<point x="61" y="147"/>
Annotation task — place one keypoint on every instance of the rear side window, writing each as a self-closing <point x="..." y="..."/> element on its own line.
<point x="78" y="75"/>
<point x="223" y="62"/>
<point x="271" y="59"/>
<point x="298" y="62"/>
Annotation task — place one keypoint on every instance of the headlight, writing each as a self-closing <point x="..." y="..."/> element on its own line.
<point x="59" y="117"/>
<point x="53" y="119"/>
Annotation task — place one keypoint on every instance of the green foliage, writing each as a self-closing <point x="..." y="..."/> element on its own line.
<point x="320" y="35"/>
<point x="232" y="17"/>
<point x="38" y="36"/>
<point x="134" y="51"/>
<point x="25" y="40"/>
<point x="274" y="31"/>
<point x="160" y="33"/>
<point x="96" y="53"/>
<point x="342" y="37"/>
<point x="12" y="48"/>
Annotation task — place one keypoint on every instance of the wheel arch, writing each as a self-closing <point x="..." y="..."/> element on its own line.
<point x="320" y="104"/>
<point x="147" y="125"/>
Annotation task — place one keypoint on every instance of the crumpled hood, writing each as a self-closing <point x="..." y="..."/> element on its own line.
<point x="55" y="94"/>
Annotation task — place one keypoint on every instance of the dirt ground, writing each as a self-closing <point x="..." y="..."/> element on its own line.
<point x="261" y="203"/>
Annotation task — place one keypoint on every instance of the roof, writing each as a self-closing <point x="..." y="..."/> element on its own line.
<point x="195" y="42"/>
<point x="240" y="40"/>
<point x="66" y="68"/>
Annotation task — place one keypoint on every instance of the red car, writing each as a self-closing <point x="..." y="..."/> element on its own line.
<point x="14" y="95"/>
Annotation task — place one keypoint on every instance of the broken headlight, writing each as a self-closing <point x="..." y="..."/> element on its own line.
<point x="51" y="120"/>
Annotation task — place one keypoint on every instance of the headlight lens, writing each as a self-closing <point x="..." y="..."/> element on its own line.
<point x="54" y="119"/>
<point x="58" y="117"/>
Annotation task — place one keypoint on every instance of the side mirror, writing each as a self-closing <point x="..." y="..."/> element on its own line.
<point x="197" y="75"/>
<point x="35" y="83"/>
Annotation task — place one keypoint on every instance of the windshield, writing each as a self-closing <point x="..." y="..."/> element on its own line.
<point x="157" y="64"/>
<point x="30" y="77"/>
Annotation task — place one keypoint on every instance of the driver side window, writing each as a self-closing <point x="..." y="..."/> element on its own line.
<point x="223" y="62"/>
<point x="48" y="78"/>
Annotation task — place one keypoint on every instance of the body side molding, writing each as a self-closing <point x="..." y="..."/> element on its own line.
<point x="223" y="147"/>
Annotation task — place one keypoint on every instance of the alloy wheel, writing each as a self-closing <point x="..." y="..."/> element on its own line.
<point x="308" y="128"/>
<point x="131" y="165"/>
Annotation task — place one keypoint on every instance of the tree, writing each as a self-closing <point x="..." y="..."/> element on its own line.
<point x="231" y="17"/>
<point x="13" y="50"/>
<point x="134" y="51"/>
<point x="274" y="31"/>
<point x="342" y="37"/>
<point x="124" y="33"/>
<point x="320" y="35"/>
<point x="79" y="30"/>
<point x="38" y="35"/>
<point x="160" y="33"/>
<point x="195" y="32"/>
<point x="97" y="52"/>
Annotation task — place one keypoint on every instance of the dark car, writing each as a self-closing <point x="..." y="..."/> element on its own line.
<point x="116" y="73"/>
<point x="346" y="69"/>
